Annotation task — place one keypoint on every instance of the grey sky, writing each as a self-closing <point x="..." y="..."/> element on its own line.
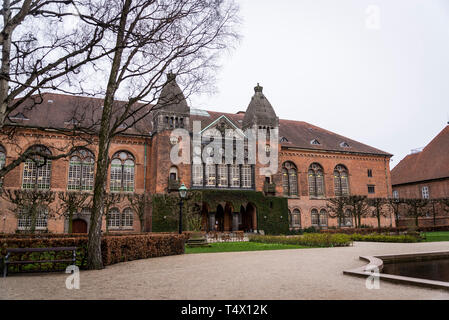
<point x="318" y="62"/>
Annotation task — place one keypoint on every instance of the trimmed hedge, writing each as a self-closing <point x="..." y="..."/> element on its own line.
<point x="308" y="240"/>
<point x="385" y="238"/>
<point x="383" y="230"/>
<point x="115" y="248"/>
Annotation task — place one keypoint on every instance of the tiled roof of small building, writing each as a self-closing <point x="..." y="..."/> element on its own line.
<point x="431" y="163"/>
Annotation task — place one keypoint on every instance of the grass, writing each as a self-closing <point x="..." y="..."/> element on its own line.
<point x="241" y="246"/>
<point x="436" y="236"/>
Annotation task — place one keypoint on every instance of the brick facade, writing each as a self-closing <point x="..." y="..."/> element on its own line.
<point x="151" y="152"/>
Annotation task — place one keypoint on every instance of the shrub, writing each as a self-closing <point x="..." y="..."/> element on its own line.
<point x="384" y="238"/>
<point x="310" y="230"/>
<point x="309" y="240"/>
<point x="115" y="248"/>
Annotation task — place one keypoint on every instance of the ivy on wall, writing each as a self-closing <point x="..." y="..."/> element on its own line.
<point x="272" y="212"/>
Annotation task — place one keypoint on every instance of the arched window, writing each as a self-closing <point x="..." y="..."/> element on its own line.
<point x="122" y="172"/>
<point x="81" y="170"/>
<point x="289" y="179"/>
<point x="316" y="180"/>
<point x="323" y="218"/>
<point x="114" y="219"/>
<point x="37" y="170"/>
<point x="127" y="218"/>
<point x="341" y="181"/>
<point x="296" y="218"/>
<point x="174" y="174"/>
<point x="315" y="218"/>
<point x="25" y="219"/>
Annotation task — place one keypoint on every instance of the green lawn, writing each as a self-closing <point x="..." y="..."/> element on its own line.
<point x="437" y="236"/>
<point x="242" y="246"/>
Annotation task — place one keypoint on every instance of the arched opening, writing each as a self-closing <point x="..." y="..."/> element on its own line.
<point x="219" y="218"/>
<point x="79" y="226"/>
<point x="249" y="219"/>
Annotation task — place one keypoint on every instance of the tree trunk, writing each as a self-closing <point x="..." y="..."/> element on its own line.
<point x="6" y="65"/>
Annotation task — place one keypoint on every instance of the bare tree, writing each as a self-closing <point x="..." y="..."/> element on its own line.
<point x="71" y="202"/>
<point x="139" y="203"/>
<point x="360" y="208"/>
<point x="337" y="208"/>
<point x="45" y="46"/>
<point x="379" y="208"/>
<point x="416" y="208"/>
<point x="396" y="205"/>
<point x="149" y="39"/>
<point x="30" y="205"/>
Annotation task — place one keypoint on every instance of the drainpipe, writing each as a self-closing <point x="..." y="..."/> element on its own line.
<point x="145" y="178"/>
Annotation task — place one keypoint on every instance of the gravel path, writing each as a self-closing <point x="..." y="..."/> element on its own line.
<point x="286" y="274"/>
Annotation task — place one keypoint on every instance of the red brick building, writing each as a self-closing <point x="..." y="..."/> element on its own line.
<point x="425" y="174"/>
<point x="313" y="164"/>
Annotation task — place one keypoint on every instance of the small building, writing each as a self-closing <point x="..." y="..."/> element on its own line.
<point x="424" y="174"/>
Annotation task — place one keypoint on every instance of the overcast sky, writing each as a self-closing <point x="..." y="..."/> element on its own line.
<point x="374" y="71"/>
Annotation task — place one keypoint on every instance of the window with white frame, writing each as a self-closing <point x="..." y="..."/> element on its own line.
<point x="425" y="193"/>
<point x="127" y="218"/>
<point x="222" y="175"/>
<point x="122" y="172"/>
<point x="296" y="218"/>
<point x="396" y="194"/>
<point x="341" y="183"/>
<point x="235" y="176"/>
<point x="315" y="218"/>
<point x="37" y="170"/>
<point x="25" y="219"/>
<point x="246" y="176"/>
<point x="197" y="175"/>
<point x="347" y="220"/>
<point x="114" y="219"/>
<point x="81" y="171"/>
<point x="323" y="218"/>
<point x="210" y="175"/>
<point x="316" y="180"/>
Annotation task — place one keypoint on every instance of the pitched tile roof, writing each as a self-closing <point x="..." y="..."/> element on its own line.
<point x="300" y="134"/>
<point x="57" y="110"/>
<point x="431" y="163"/>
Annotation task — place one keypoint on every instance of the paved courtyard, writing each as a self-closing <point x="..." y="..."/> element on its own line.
<point x="287" y="274"/>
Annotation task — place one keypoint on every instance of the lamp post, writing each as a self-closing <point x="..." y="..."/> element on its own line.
<point x="182" y="195"/>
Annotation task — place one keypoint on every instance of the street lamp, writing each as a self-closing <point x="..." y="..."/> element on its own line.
<point x="182" y="195"/>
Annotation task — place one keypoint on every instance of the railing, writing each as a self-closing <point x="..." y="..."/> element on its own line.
<point x="269" y="188"/>
<point x="173" y="185"/>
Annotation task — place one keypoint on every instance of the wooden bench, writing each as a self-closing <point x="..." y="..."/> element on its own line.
<point x="10" y="251"/>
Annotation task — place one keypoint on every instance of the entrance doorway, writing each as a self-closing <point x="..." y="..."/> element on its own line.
<point x="79" y="226"/>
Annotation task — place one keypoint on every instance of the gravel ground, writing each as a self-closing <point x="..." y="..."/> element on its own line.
<point x="286" y="274"/>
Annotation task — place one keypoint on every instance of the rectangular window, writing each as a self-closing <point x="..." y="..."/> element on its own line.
<point x="396" y="194"/>
<point x="197" y="173"/>
<point x="210" y="175"/>
<point x="235" y="176"/>
<point x="371" y="189"/>
<point x="370" y="173"/>
<point x="246" y="176"/>
<point x="25" y="219"/>
<point x="425" y="193"/>
<point x="222" y="175"/>
<point x="116" y="177"/>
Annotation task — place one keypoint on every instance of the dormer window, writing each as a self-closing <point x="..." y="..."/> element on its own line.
<point x="315" y="142"/>
<point x="284" y="139"/>
<point x="344" y="145"/>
